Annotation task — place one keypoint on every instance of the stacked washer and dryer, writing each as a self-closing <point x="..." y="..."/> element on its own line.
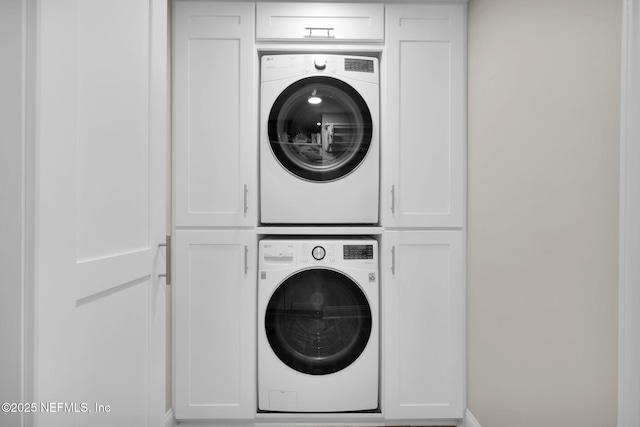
<point x="318" y="297"/>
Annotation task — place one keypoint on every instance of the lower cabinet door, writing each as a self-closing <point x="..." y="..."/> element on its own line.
<point x="423" y="324"/>
<point x="214" y="291"/>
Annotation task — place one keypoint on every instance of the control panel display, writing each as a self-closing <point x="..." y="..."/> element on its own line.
<point x="360" y="65"/>
<point x="358" y="252"/>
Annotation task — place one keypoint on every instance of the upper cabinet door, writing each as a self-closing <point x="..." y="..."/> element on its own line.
<point x="423" y="109"/>
<point x="320" y="22"/>
<point x="214" y="107"/>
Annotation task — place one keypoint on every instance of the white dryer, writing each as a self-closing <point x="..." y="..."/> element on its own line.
<point x="319" y="148"/>
<point x="318" y="323"/>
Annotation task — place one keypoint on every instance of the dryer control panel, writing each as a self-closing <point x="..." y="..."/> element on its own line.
<point x="277" y="67"/>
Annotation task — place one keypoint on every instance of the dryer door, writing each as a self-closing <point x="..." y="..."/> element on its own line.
<point x="318" y="321"/>
<point x="320" y="128"/>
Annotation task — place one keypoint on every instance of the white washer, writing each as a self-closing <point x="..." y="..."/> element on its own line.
<point x="318" y="323"/>
<point x="319" y="148"/>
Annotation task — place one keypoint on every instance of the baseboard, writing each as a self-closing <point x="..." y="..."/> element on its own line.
<point x="470" y="420"/>
<point x="169" y="419"/>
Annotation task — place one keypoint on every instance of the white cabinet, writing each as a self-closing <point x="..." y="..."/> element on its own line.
<point x="320" y="21"/>
<point x="423" y="327"/>
<point x="423" y="110"/>
<point x="215" y="140"/>
<point x="215" y="324"/>
<point x="423" y="187"/>
<point x="215" y="115"/>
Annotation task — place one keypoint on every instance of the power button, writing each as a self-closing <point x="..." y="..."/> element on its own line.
<point x="320" y="63"/>
<point x="318" y="252"/>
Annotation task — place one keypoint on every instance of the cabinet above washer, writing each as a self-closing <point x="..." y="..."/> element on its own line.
<point x="326" y="22"/>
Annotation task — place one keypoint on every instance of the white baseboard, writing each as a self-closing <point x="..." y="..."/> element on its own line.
<point x="470" y="420"/>
<point x="169" y="419"/>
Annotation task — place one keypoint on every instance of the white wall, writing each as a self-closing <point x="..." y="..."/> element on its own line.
<point x="11" y="206"/>
<point x="543" y="137"/>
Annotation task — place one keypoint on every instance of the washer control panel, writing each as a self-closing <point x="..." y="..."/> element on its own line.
<point x="275" y="253"/>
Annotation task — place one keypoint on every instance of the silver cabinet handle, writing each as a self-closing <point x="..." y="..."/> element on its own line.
<point x="323" y="29"/>
<point x="393" y="199"/>
<point x="167" y="275"/>
<point x="246" y="205"/>
<point x="393" y="260"/>
<point x="246" y="259"/>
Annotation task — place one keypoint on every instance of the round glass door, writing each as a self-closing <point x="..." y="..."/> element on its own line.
<point x="318" y="321"/>
<point x="320" y="129"/>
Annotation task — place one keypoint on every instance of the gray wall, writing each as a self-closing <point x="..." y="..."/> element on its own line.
<point x="543" y="136"/>
<point x="11" y="206"/>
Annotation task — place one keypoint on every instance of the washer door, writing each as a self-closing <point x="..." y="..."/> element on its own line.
<point x="318" y="321"/>
<point x="320" y="129"/>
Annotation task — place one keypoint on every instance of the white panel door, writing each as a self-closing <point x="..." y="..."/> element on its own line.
<point x="215" y="114"/>
<point x="215" y="324"/>
<point x="100" y="200"/>
<point x="423" y="109"/>
<point x="423" y="324"/>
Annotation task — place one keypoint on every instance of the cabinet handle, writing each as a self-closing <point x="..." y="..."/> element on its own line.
<point x="167" y="246"/>
<point x="312" y="29"/>
<point x="246" y="206"/>
<point x="246" y="256"/>
<point x="393" y="260"/>
<point x="393" y="199"/>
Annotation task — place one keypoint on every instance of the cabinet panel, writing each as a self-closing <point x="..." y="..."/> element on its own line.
<point x="215" y="300"/>
<point x="214" y="109"/>
<point x="424" y="112"/>
<point x="320" y="21"/>
<point x="423" y="301"/>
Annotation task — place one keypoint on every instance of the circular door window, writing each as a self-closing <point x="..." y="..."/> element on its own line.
<point x="320" y="129"/>
<point x="318" y="321"/>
